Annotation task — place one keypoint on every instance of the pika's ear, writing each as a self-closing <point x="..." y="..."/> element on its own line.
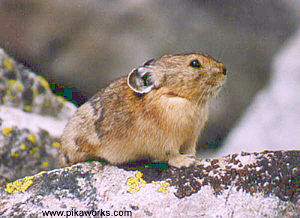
<point x="149" y="62"/>
<point x="141" y="80"/>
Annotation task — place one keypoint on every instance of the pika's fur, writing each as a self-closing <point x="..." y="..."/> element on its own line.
<point x="157" y="112"/>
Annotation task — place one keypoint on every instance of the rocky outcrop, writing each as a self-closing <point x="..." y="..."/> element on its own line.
<point x="239" y="185"/>
<point x="31" y="120"/>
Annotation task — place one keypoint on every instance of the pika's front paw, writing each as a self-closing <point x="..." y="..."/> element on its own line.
<point x="182" y="160"/>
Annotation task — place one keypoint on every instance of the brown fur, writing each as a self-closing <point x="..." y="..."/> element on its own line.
<point x="119" y="125"/>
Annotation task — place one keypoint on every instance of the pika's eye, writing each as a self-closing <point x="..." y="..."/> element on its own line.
<point x="195" y="64"/>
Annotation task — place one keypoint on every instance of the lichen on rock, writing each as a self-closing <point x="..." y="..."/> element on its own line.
<point x="23" y="89"/>
<point x="31" y="121"/>
<point x="245" y="184"/>
<point x="23" y="152"/>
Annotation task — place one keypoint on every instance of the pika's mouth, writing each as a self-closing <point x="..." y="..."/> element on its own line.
<point x="217" y="80"/>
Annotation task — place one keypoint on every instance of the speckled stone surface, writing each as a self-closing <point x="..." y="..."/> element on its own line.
<point x="19" y="87"/>
<point x="238" y="185"/>
<point x="270" y="173"/>
<point x="24" y="153"/>
<point x="31" y="120"/>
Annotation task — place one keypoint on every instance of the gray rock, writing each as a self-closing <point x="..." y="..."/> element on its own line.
<point x="31" y="120"/>
<point x="239" y="185"/>
<point x="25" y="90"/>
<point x="272" y="121"/>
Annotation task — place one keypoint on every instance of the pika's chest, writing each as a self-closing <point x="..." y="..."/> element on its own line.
<point x="180" y="113"/>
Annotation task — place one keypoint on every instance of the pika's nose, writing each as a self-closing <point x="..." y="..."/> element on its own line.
<point x="224" y="70"/>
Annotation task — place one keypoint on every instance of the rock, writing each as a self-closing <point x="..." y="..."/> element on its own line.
<point x="272" y="121"/>
<point x="31" y="120"/>
<point x="25" y="90"/>
<point x="240" y="185"/>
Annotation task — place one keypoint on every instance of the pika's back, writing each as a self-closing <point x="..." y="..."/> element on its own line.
<point x="156" y="112"/>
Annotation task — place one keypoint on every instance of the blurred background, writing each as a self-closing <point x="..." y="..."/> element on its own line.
<point x="80" y="46"/>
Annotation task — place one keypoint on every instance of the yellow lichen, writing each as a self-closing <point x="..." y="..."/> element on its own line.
<point x="31" y="138"/>
<point x="19" y="185"/>
<point x="27" y="107"/>
<point x="8" y="63"/>
<point x="15" y="85"/>
<point x="142" y="182"/>
<point x="14" y="154"/>
<point x="139" y="175"/>
<point x="23" y="146"/>
<point x="132" y="181"/>
<point x="56" y="144"/>
<point x="41" y="173"/>
<point x="35" y="149"/>
<point x="45" y="164"/>
<point x="133" y="189"/>
<point x="163" y="190"/>
<point x="163" y="186"/>
<point x="70" y="168"/>
<point x="44" y="82"/>
<point x="135" y="183"/>
<point x="6" y="130"/>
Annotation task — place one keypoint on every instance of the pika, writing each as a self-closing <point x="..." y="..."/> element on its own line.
<point x="156" y="112"/>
